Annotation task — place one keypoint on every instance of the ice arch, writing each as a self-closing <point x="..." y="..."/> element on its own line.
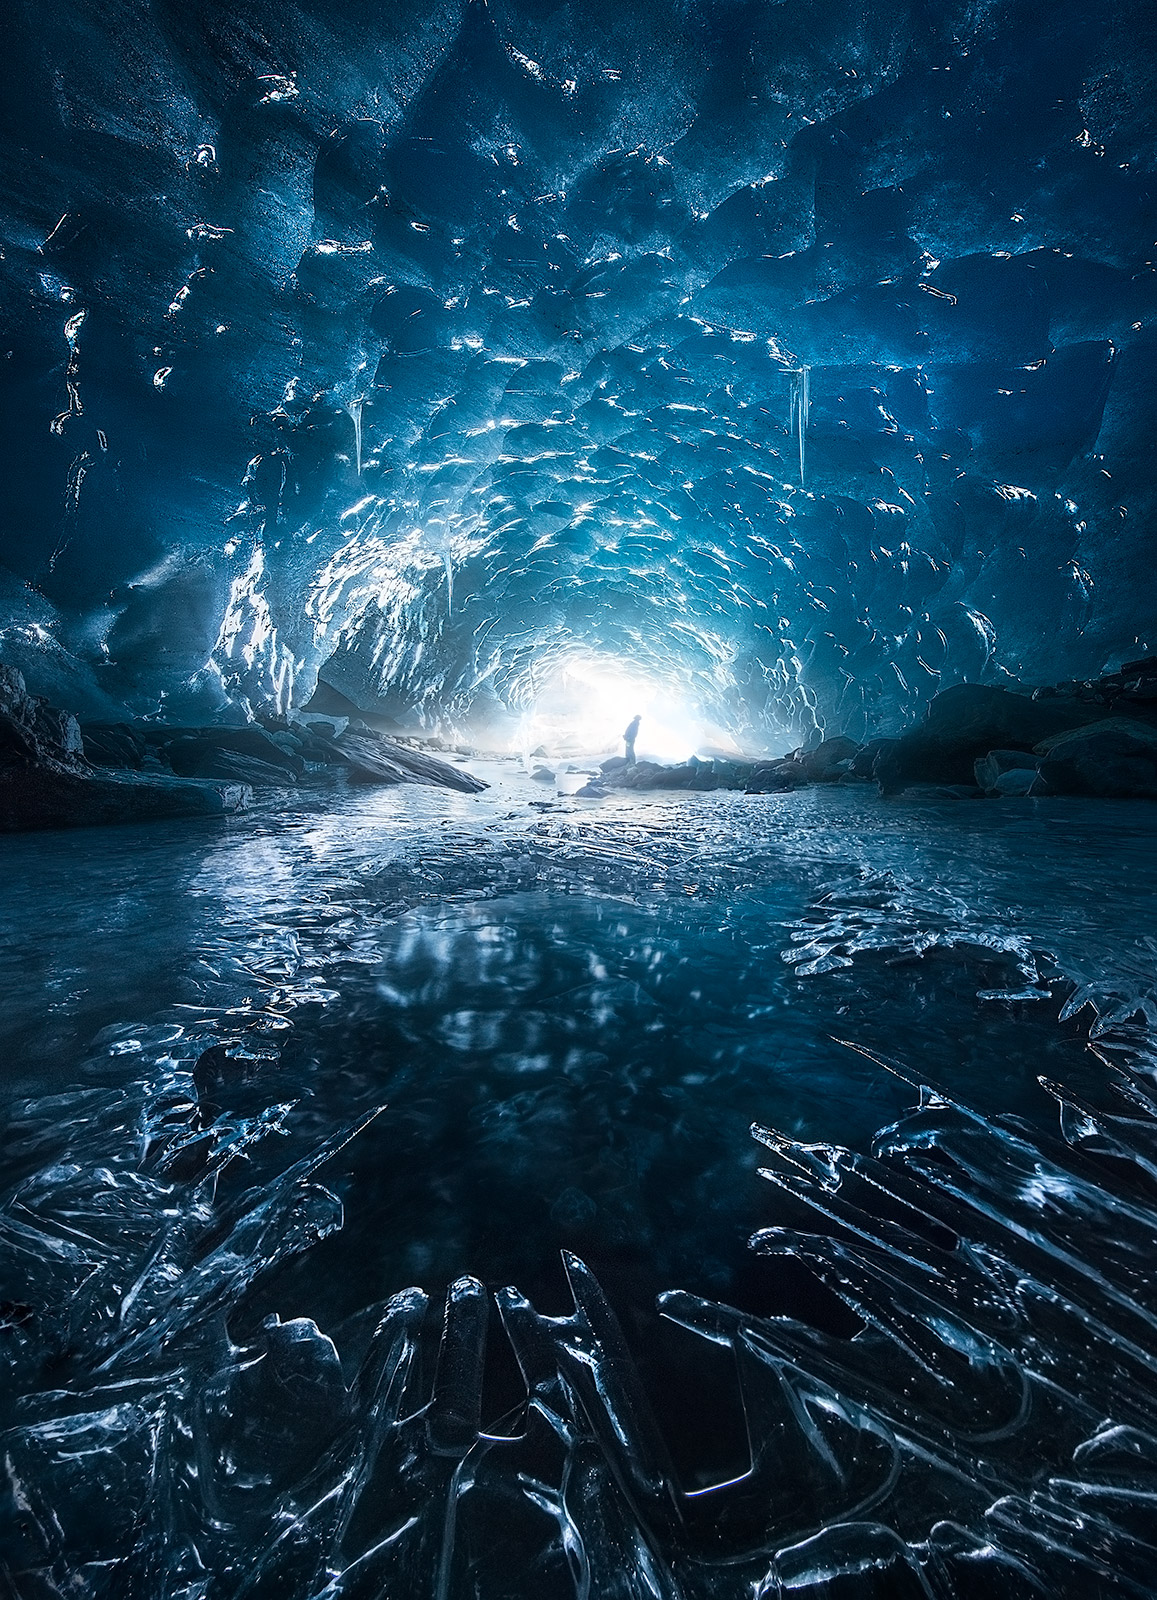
<point x="798" y="357"/>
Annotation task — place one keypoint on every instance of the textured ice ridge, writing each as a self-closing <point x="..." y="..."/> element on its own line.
<point x="991" y="1429"/>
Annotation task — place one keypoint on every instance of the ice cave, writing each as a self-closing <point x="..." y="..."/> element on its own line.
<point x="578" y="760"/>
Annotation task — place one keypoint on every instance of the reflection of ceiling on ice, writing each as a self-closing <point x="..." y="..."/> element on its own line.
<point x="796" y="355"/>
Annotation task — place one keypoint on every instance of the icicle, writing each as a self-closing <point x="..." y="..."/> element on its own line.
<point x="355" y="412"/>
<point x="800" y="406"/>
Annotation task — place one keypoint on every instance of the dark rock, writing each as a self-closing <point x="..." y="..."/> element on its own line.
<point x="990" y="767"/>
<point x="1116" y="756"/>
<point x="543" y="775"/>
<point x="964" y="723"/>
<point x="45" y="781"/>
<point x="1015" y="782"/>
<point x="654" y="775"/>
<point x="197" y="752"/>
<point x="41" y="797"/>
<point x="238" y="768"/>
<point x="863" y="762"/>
<point x="829" y="760"/>
<point x="372" y="758"/>
<point x="289" y="742"/>
<point x="33" y="731"/>
<point x="1145" y="668"/>
<point x="693" y="774"/>
<point x="1130" y="691"/>
<point x="615" y="765"/>
<point x="775" y="777"/>
<point x="113" y="745"/>
<point x="317" y="742"/>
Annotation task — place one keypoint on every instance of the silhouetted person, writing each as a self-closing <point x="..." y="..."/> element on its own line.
<point x="630" y="734"/>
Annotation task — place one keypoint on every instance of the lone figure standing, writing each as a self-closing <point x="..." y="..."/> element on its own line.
<point x="630" y="734"/>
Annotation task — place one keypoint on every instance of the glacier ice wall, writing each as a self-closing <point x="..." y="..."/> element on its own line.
<point x="801" y="355"/>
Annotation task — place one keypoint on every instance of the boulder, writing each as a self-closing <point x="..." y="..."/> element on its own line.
<point x="43" y="797"/>
<point x="862" y="764"/>
<point x="197" y="752"/>
<point x="237" y="768"/>
<point x="372" y="758"/>
<point x="1016" y="782"/>
<point x="964" y="723"/>
<point x="775" y="777"/>
<point x="828" y="762"/>
<point x="316" y="740"/>
<point x="1116" y="756"/>
<point x="651" y="775"/>
<point x="46" y="782"/>
<point x="997" y="762"/>
<point x="113" y="744"/>
<point x="696" y="774"/>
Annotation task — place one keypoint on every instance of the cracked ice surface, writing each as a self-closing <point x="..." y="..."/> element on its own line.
<point x="437" y="1039"/>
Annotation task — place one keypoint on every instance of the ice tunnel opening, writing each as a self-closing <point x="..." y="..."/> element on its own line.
<point x="586" y="702"/>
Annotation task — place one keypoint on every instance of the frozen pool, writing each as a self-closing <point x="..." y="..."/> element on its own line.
<point x="571" y="1013"/>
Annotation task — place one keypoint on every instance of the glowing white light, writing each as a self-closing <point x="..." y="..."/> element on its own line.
<point x="584" y="707"/>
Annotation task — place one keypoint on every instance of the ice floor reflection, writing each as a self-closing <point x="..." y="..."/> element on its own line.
<point x="579" y="1072"/>
<point x="286" y="1071"/>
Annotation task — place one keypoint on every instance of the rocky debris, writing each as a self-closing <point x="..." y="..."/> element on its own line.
<point x="1017" y="782"/>
<point x="249" y="754"/>
<point x="372" y="758"/>
<point x="713" y="773"/>
<point x="47" y="781"/>
<point x="1130" y="691"/>
<point x="42" y="798"/>
<point x="1115" y="756"/>
<point x="862" y="764"/>
<point x="829" y="761"/>
<point x="776" y="777"/>
<point x="113" y="744"/>
<point x="990" y="769"/>
<point x="277" y="753"/>
<point x="975" y="741"/>
<point x="963" y="724"/>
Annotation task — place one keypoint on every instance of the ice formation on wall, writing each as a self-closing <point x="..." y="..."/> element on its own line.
<point x="800" y="353"/>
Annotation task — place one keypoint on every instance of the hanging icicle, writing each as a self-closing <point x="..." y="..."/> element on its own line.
<point x="800" y="405"/>
<point x="354" y="409"/>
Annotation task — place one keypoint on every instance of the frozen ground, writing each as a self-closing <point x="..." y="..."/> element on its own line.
<point x="572" y="1011"/>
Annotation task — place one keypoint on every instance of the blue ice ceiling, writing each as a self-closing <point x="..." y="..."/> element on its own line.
<point x="798" y="355"/>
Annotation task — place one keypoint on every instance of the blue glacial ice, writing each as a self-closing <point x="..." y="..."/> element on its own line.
<point x="532" y="1194"/>
<point x="778" y="352"/>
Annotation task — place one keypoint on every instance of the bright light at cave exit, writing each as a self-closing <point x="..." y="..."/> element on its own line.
<point x="583" y="708"/>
